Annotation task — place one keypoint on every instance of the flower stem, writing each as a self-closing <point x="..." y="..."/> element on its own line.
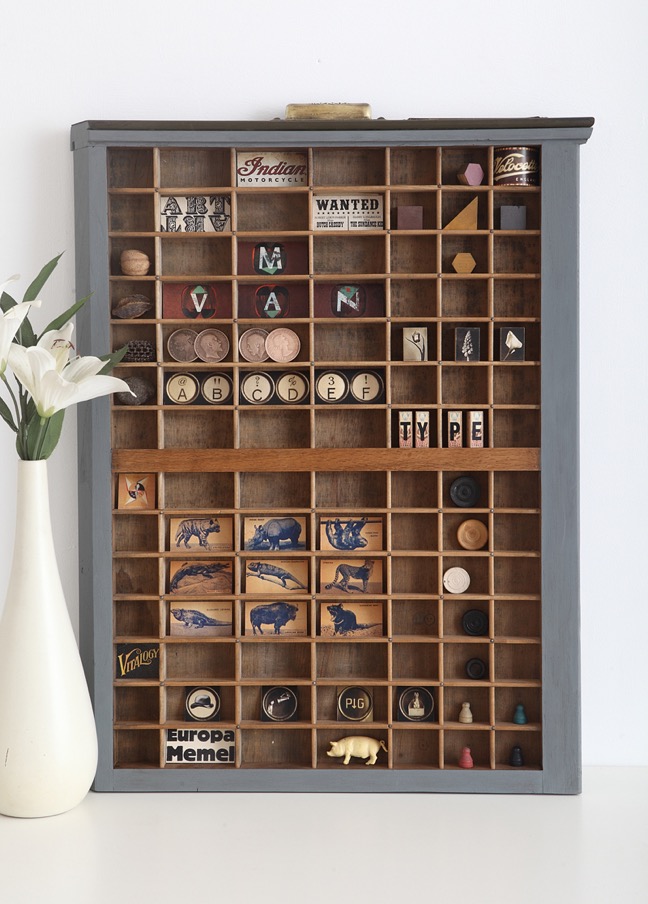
<point x="13" y="397"/>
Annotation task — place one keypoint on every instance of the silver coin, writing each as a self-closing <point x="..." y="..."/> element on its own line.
<point x="292" y="388"/>
<point x="456" y="580"/>
<point x="252" y="345"/>
<point x="282" y="345"/>
<point x="181" y="346"/>
<point x="257" y="388"/>
<point x="212" y="345"/>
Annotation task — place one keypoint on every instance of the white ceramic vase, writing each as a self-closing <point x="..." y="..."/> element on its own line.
<point x="48" y="738"/>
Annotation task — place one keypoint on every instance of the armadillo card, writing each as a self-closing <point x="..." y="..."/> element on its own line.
<point x="351" y="532"/>
<point x="279" y="619"/>
<point x="209" y="533"/>
<point x="276" y="576"/>
<point x="202" y="620"/>
<point x="200" y="577"/>
<point x="351" y="619"/>
<point x="353" y="576"/>
<point x="282" y="532"/>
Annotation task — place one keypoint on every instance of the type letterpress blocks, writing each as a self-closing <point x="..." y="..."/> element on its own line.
<point x="475" y="429"/>
<point x="422" y="430"/>
<point x="405" y="429"/>
<point x="455" y="429"/>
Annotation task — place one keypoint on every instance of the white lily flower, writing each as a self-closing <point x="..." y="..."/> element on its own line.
<point x="10" y="323"/>
<point x="59" y="343"/>
<point x="52" y="389"/>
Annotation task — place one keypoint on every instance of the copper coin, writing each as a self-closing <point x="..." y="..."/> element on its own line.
<point x="282" y="345"/>
<point x="252" y="345"/>
<point x="472" y="534"/>
<point x="456" y="580"/>
<point x="181" y="345"/>
<point x="211" y="345"/>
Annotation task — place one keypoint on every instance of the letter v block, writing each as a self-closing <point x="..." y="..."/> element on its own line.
<point x="466" y="218"/>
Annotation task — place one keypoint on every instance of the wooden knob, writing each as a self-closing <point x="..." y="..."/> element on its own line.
<point x="472" y="534"/>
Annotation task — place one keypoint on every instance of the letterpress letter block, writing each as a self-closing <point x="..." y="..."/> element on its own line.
<point x="422" y="430"/>
<point x="475" y="429"/>
<point x="405" y="429"/>
<point x="455" y="433"/>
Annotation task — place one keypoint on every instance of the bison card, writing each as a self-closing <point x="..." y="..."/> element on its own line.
<point x="278" y="619"/>
<point x="210" y="533"/>
<point x="200" y="577"/>
<point x="276" y="576"/>
<point x="274" y="534"/>
<point x="353" y="576"/>
<point x="350" y="532"/>
<point x="202" y="620"/>
<point x="357" y="619"/>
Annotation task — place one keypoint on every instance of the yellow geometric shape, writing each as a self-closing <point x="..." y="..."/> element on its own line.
<point x="466" y="218"/>
<point x="464" y="262"/>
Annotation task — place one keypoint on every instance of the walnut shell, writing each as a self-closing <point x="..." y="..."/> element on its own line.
<point x="131" y="306"/>
<point x="134" y="263"/>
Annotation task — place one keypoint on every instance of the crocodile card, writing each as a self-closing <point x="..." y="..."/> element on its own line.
<point x="201" y="620"/>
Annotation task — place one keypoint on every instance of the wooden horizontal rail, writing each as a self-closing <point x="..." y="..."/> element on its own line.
<point x="292" y="460"/>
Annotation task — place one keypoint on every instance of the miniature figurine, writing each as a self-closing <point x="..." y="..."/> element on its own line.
<point x="519" y="716"/>
<point x="465" y="760"/>
<point x="465" y="715"/>
<point x="360" y="746"/>
<point x="517" y="759"/>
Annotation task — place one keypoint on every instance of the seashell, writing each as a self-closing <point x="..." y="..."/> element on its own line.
<point x="143" y="389"/>
<point x="131" y="306"/>
<point x="134" y="263"/>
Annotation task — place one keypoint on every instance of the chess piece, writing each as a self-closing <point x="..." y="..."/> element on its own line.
<point x="465" y="715"/>
<point x="517" y="759"/>
<point x="465" y="760"/>
<point x="519" y="716"/>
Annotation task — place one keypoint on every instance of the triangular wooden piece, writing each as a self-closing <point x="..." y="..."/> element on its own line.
<point x="466" y="218"/>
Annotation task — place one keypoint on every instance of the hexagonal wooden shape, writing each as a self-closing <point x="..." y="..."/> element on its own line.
<point x="471" y="174"/>
<point x="464" y="262"/>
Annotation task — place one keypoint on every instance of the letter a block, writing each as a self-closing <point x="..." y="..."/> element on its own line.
<point x="466" y="218"/>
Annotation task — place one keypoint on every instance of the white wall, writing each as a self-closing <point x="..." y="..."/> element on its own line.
<point x="204" y="59"/>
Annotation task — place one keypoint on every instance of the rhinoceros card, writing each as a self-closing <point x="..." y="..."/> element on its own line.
<point x="351" y="532"/>
<point x="210" y="533"/>
<point x="282" y="532"/>
<point x="357" y="619"/>
<point x="278" y="619"/>
<point x="201" y="620"/>
<point x="200" y="577"/>
<point x="353" y="576"/>
<point x="276" y="576"/>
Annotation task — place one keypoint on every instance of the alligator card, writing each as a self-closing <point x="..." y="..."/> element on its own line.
<point x="209" y="533"/>
<point x="352" y="576"/>
<point x="351" y="619"/>
<point x="268" y="533"/>
<point x="350" y="532"/>
<point x="278" y="619"/>
<point x="276" y="576"/>
<point x="200" y="577"/>
<point x="201" y="620"/>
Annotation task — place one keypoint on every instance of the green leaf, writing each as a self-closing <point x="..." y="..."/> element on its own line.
<point x="43" y="435"/>
<point x="63" y="318"/>
<point x="6" y="302"/>
<point x="52" y="434"/>
<point x="112" y="360"/>
<point x="5" y="414"/>
<point x="25" y="335"/>
<point x="33" y="291"/>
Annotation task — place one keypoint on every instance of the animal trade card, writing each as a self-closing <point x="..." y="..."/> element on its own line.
<point x="276" y="576"/>
<point x="266" y="533"/>
<point x="278" y="619"/>
<point x="202" y="620"/>
<point x="360" y="575"/>
<point x="351" y="619"/>
<point x="210" y="533"/>
<point x="350" y="532"/>
<point x="200" y="577"/>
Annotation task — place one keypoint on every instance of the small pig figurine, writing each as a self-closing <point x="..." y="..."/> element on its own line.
<point x="357" y="746"/>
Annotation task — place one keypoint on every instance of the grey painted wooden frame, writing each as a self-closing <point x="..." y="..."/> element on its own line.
<point x="559" y="139"/>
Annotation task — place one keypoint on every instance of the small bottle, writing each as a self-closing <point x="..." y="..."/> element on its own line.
<point x="465" y="715"/>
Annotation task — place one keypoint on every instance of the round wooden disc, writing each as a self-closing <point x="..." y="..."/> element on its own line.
<point x="472" y="534"/>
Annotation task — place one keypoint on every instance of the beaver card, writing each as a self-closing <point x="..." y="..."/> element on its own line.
<point x="350" y="532"/>
<point x="199" y="577"/>
<point x="265" y="532"/>
<point x="136" y="491"/>
<point x="351" y="619"/>
<point x="280" y="619"/>
<point x="357" y="577"/>
<point x="211" y="533"/>
<point x="201" y="620"/>
<point x="276" y="576"/>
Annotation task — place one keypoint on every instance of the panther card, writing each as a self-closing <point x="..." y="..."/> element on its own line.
<point x="279" y="619"/>
<point x="276" y="576"/>
<point x="350" y="532"/>
<point x="352" y="576"/>
<point x="200" y="577"/>
<point x="201" y="620"/>
<point x="210" y="533"/>
<point x="283" y="532"/>
<point x="351" y="619"/>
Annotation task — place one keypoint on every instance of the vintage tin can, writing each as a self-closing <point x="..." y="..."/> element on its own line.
<point x="516" y="166"/>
